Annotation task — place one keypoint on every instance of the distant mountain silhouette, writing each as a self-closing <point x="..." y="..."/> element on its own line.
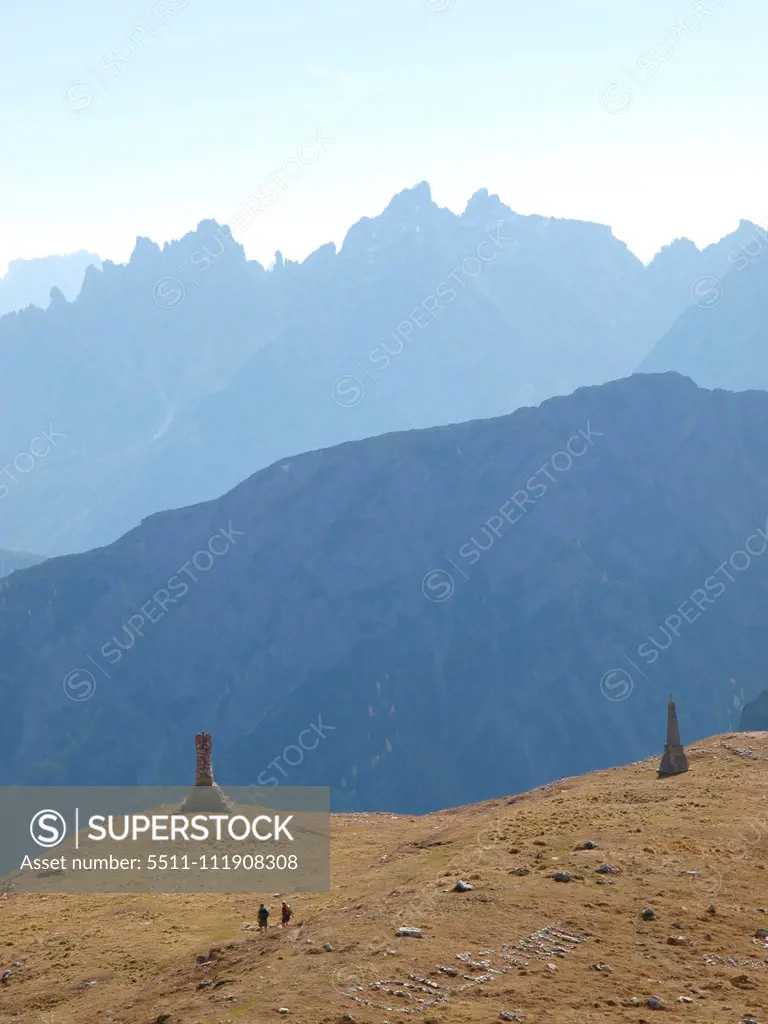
<point x="172" y="378"/>
<point x="423" y="616"/>
<point x="719" y="341"/>
<point x="10" y="561"/>
<point x="29" y="282"/>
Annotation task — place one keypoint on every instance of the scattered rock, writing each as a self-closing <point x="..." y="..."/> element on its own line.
<point x="462" y="887"/>
<point x="761" y="933"/>
<point x="520" y="871"/>
<point x="328" y="947"/>
<point x="409" y="933"/>
<point x="589" y="845"/>
<point x="452" y="972"/>
<point x="600" y="967"/>
<point x="5" y="977"/>
<point x="677" y="940"/>
<point x="204" y="984"/>
<point x="655" y="1002"/>
<point x="743" y="981"/>
<point x="711" y="909"/>
<point x="562" y="876"/>
<point x="685" y="999"/>
<point x="648" y="914"/>
<point x="283" y="1009"/>
<point x="607" y="869"/>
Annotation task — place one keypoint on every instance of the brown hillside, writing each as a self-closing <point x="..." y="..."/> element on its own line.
<point x="693" y="848"/>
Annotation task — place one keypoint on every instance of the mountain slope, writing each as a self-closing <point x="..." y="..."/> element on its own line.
<point x="108" y="372"/>
<point x="173" y="378"/>
<point x="321" y="600"/>
<point x="689" y="848"/>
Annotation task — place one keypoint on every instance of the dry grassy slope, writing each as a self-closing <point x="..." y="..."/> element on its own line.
<point x="389" y="871"/>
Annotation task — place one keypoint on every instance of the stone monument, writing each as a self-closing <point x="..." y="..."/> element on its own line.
<point x="205" y="794"/>
<point x="674" y="761"/>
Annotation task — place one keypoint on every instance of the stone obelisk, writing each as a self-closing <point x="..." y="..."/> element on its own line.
<point x="205" y="795"/>
<point x="674" y="761"/>
<point x="203" y="763"/>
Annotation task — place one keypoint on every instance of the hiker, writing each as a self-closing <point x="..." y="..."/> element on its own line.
<point x="263" y="915"/>
<point x="286" y="913"/>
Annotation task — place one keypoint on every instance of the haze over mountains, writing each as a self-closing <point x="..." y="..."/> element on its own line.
<point x="720" y="340"/>
<point x="10" y="561"/>
<point x="29" y="282"/>
<point x="191" y="367"/>
<point x="440" y="605"/>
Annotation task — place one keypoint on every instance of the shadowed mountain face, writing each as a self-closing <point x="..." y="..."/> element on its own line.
<point x="29" y="282"/>
<point x="416" y="619"/>
<point x="720" y="340"/>
<point x="190" y="368"/>
<point x="754" y="715"/>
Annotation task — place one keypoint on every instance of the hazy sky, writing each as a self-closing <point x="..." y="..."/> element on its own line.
<point x="135" y="117"/>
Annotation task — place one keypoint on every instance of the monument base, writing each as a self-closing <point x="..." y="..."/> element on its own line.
<point x="206" y="799"/>
<point x="674" y="761"/>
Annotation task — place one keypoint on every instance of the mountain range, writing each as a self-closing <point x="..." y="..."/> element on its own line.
<point x="29" y="282"/>
<point x="439" y="605"/>
<point x="171" y="379"/>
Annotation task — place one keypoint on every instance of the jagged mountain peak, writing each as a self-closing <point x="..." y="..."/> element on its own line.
<point x="410" y="200"/>
<point x="486" y="206"/>
<point x="144" y="251"/>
